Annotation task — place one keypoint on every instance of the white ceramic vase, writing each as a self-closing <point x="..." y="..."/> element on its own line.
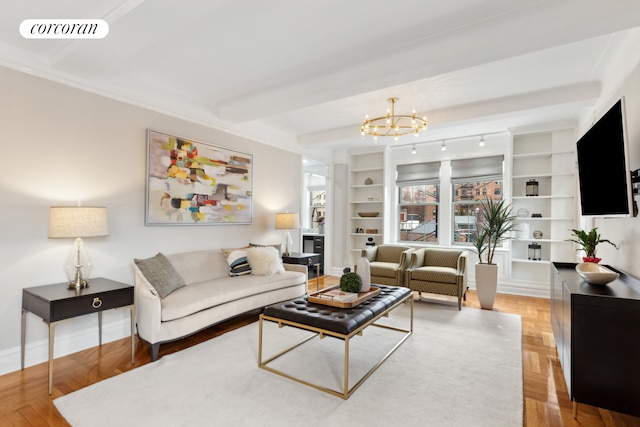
<point x="486" y="284"/>
<point x="363" y="268"/>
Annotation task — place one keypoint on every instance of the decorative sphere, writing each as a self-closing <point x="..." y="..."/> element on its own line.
<point x="350" y="282"/>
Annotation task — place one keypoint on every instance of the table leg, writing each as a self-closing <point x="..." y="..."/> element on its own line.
<point x="133" y="335"/>
<point x="23" y="332"/>
<point x="100" y="327"/>
<point x="52" y="328"/>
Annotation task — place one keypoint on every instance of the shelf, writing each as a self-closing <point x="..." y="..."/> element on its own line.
<point x="545" y="262"/>
<point x="531" y="240"/>
<point x="565" y="196"/>
<point x="527" y="218"/>
<point x="543" y="154"/>
<point x="366" y="185"/>
<point x="367" y="170"/>
<point x="542" y="175"/>
<point x="365" y="167"/>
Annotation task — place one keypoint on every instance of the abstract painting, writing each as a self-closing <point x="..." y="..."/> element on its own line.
<point x="194" y="183"/>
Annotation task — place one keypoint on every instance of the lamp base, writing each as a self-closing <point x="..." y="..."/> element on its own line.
<point x="78" y="282"/>
<point x="81" y="285"/>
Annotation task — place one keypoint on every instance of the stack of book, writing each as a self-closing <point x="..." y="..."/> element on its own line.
<point x="338" y="295"/>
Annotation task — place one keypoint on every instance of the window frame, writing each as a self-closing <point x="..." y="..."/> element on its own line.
<point x="403" y="218"/>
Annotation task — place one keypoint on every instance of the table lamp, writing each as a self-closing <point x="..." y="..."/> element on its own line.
<point x="76" y="222"/>
<point x="287" y="221"/>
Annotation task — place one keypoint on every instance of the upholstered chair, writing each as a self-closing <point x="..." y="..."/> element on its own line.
<point x="388" y="263"/>
<point x="438" y="271"/>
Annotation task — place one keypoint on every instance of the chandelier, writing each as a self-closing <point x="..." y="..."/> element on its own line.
<point x="392" y="124"/>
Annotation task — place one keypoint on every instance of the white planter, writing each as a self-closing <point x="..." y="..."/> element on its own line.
<point x="486" y="284"/>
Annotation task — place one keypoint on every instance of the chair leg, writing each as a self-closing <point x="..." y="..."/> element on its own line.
<point x="459" y="303"/>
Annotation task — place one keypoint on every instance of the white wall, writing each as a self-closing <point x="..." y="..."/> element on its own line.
<point x="61" y="145"/>
<point x="623" y="231"/>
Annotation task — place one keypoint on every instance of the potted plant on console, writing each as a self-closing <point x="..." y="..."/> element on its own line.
<point x="496" y="223"/>
<point x="588" y="243"/>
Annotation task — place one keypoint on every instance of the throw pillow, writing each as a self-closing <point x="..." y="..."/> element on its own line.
<point x="265" y="261"/>
<point x="278" y="246"/>
<point x="161" y="274"/>
<point x="237" y="260"/>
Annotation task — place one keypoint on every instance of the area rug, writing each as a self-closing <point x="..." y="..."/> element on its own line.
<point x="459" y="368"/>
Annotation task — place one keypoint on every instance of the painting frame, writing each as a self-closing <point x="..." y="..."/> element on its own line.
<point x="195" y="183"/>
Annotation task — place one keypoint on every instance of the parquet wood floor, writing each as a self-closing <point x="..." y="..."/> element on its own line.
<point x="24" y="400"/>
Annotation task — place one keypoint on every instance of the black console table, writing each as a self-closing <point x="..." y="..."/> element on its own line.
<point x="57" y="303"/>
<point x="597" y="333"/>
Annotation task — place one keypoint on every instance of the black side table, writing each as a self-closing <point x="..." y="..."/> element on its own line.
<point x="57" y="303"/>
<point x="308" y="259"/>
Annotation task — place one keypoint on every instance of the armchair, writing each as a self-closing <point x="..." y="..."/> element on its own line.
<point x="438" y="271"/>
<point x="388" y="263"/>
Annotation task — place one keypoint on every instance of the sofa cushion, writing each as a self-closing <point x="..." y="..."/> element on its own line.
<point x="383" y="269"/>
<point x="390" y="253"/>
<point x="442" y="257"/>
<point x="202" y="296"/>
<point x="435" y="274"/>
<point x="161" y="274"/>
<point x="265" y="261"/>
<point x="196" y="266"/>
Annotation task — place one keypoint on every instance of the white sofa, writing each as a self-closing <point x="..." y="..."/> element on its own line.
<point x="209" y="295"/>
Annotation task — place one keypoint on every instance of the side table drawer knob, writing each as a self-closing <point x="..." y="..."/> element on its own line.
<point x="97" y="302"/>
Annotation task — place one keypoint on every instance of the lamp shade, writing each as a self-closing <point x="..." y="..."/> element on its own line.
<point x="287" y="221"/>
<point x="77" y="221"/>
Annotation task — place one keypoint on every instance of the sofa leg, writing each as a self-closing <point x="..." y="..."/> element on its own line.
<point x="155" y="349"/>
<point x="459" y="303"/>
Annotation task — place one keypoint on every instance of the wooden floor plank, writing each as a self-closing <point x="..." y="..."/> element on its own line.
<point x="24" y="400"/>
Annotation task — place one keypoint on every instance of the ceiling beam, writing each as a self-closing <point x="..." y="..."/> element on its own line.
<point x="511" y="105"/>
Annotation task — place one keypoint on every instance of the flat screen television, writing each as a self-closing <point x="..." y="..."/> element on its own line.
<point x="603" y="166"/>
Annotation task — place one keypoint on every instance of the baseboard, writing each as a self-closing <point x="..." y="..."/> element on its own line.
<point x="38" y="351"/>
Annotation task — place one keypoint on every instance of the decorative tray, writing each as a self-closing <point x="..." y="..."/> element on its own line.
<point x="362" y="297"/>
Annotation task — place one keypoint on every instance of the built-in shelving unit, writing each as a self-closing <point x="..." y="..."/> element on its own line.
<point x="549" y="159"/>
<point x="366" y="194"/>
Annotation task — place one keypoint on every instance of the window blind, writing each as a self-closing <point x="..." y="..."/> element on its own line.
<point x="417" y="172"/>
<point x="478" y="167"/>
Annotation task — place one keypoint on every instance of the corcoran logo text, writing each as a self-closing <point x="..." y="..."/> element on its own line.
<point x="64" y="28"/>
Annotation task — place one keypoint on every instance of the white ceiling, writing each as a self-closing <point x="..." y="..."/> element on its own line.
<point x="303" y="74"/>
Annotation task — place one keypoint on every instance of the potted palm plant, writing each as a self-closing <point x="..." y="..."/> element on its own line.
<point x="588" y="243"/>
<point x="496" y="224"/>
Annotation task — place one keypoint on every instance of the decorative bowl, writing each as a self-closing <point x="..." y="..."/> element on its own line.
<point x="368" y="214"/>
<point x="595" y="274"/>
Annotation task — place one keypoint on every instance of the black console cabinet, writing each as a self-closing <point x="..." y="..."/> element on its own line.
<point x="314" y="243"/>
<point x="597" y="333"/>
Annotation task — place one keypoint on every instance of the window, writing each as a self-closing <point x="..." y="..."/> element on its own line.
<point x="473" y="180"/>
<point x="317" y="208"/>
<point x="418" y="196"/>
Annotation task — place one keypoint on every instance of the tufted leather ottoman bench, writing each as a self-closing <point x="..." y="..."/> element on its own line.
<point x="343" y="323"/>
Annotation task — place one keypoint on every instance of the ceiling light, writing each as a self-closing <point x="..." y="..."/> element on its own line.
<point x="444" y="146"/>
<point x="481" y="141"/>
<point x="413" y="150"/>
<point x="392" y="124"/>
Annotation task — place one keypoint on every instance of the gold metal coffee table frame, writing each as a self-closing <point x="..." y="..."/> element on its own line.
<point x="346" y="391"/>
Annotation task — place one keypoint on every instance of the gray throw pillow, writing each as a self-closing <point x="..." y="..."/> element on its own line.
<point x="161" y="274"/>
